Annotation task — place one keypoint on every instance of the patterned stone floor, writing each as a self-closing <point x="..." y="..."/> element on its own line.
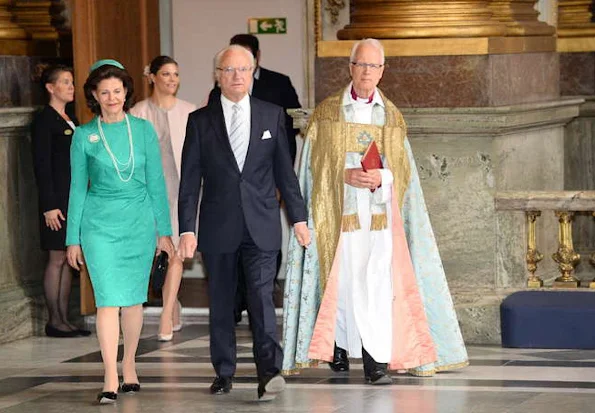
<point x="48" y="375"/>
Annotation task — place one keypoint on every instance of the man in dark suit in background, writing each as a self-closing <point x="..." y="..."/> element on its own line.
<point x="237" y="147"/>
<point x="272" y="87"/>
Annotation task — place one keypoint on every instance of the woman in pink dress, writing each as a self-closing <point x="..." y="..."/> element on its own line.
<point x="169" y="116"/>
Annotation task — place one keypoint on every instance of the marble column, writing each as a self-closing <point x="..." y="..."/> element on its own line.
<point x="21" y="292"/>
<point x="576" y="44"/>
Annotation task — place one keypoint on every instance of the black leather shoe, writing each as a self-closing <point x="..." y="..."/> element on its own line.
<point x="107" y="397"/>
<point x="130" y="388"/>
<point x="374" y="372"/>
<point x="82" y="332"/>
<point x="221" y="385"/>
<point x="340" y="361"/>
<point x="270" y="386"/>
<point x="52" y="331"/>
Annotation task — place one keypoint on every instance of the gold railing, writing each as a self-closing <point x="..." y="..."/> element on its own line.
<point x="564" y="205"/>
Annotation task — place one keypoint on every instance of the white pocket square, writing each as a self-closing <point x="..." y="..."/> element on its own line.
<point x="266" y="135"/>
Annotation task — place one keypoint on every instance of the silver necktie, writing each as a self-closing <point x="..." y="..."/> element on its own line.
<point x="237" y="136"/>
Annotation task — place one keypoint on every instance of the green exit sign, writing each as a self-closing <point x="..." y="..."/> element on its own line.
<point x="267" y="25"/>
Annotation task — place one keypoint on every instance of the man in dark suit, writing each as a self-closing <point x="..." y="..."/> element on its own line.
<point x="275" y="88"/>
<point x="237" y="147"/>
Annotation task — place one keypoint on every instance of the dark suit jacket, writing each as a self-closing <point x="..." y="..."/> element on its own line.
<point x="276" y="88"/>
<point x="232" y="199"/>
<point x="50" y="144"/>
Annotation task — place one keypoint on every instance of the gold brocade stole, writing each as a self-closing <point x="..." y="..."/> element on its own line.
<point x="358" y="137"/>
<point x="328" y="136"/>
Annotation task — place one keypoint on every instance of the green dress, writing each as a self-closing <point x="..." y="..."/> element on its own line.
<point x="116" y="222"/>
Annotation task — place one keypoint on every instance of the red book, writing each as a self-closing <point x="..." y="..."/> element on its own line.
<point x="371" y="158"/>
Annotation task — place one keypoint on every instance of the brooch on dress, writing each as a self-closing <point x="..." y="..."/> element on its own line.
<point x="94" y="138"/>
<point x="68" y="132"/>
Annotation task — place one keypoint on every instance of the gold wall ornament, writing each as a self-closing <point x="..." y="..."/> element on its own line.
<point x="8" y="29"/>
<point x="401" y="19"/>
<point x="565" y="257"/>
<point x="520" y="18"/>
<point x="533" y="256"/>
<point x="574" y="18"/>
<point x="334" y="7"/>
<point x="35" y="16"/>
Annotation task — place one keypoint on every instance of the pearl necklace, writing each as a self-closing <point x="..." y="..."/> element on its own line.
<point x="126" y="165"/>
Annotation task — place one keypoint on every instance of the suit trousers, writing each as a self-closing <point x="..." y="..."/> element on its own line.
<point x="259" y="271"/>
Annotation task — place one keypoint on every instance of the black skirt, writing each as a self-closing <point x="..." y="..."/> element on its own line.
<point x="53" y="240"/>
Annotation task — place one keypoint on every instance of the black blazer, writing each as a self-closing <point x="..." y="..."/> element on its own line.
<point x="275" y="88"/>
<point x="232" y="199"/>
<point x="50" y="144"/>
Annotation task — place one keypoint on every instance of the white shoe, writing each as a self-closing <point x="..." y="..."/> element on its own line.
<point x="165" y="337"/>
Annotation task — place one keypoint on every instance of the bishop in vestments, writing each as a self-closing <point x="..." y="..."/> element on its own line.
<point x="371" y="285"/>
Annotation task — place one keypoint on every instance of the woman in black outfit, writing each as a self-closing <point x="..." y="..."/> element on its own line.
<point x="51" y="134"/>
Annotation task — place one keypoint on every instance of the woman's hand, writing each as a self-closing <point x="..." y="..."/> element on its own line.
<point x="52" y="219"/>
<point x="74" y="255"/>
<point x="165" y="244"/>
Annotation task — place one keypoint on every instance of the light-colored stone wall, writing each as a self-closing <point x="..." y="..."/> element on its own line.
<point x="21" y="260"/>
<point x="464" y="156"/>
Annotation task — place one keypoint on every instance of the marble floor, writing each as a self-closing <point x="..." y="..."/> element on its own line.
<point x="48" y="375"/>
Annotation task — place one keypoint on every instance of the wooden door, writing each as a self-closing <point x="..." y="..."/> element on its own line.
<point x="125" y="30"/>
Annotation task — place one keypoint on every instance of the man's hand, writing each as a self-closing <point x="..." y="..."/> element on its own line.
<point x="358" y="178"/>
<point x="302" y="233"/>
<point x="187" y="246"/>
<point x="74" y="256"/>
<point x="52" y="219"/>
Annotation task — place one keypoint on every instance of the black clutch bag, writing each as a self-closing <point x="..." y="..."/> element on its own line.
<point x="159" y="270"/>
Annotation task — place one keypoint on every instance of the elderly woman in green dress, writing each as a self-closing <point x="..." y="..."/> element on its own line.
<point x="118" y="216"/>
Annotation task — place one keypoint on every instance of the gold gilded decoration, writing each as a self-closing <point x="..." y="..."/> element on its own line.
<point x="447" y="46"/>
<point x="360" y="135"/>
<point x="35" y="16"/>
<point x="379" y="222"/>
<point x="574" y="18"/>
<point x="328" y="135"/>
<point x="350" y="223"/>
<point x="402" y="19"/>
<point x="520" y="18"/>
<point x="334" y="7"/>
<point x="566" y="257"/>
<point x="8" y="29"/>
<point x="533" y="256"/>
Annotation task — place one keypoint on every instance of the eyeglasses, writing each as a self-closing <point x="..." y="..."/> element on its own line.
<point x="228" y="71"/>
<point x="372" y="66"/>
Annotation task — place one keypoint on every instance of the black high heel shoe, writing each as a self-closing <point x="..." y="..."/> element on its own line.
<point x="52" y="331"/>
<point x="107" y="397"/>
<point x="130" y="388"/>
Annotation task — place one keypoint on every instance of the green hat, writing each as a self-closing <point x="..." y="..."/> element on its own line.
<point x="104" y="62"/>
